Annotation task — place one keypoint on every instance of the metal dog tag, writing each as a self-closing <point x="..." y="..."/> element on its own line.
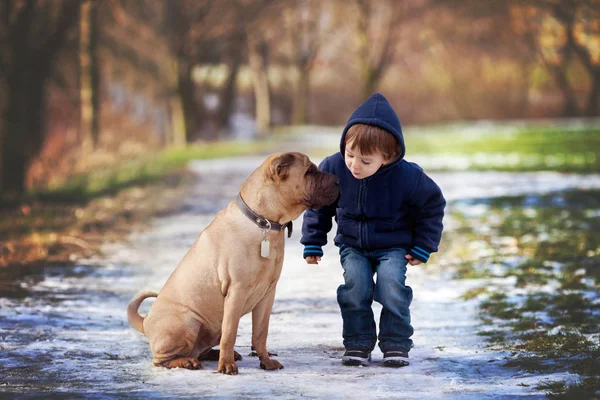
<point x="265" y="247"/>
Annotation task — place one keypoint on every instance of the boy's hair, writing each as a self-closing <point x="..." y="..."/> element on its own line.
<point x="370" y="139"/>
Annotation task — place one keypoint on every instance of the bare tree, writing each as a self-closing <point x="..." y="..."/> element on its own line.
<point x="89" y="74"/>
<point x="33" y="33"/>
<point x="186" y="23"/>
<point x="234" y="31"/>
<point x="308" y="24"/>
<point x="378" y="26"/>
<point x="581" y="39"/>
<point x="258" y="16"/>
<point x="257" y="57"/>
<point x="556" y="33"/>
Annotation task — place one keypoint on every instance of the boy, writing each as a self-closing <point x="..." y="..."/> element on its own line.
<point x="389" y="213"/>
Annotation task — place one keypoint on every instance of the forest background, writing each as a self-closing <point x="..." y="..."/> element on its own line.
<point x="86" y="85"/>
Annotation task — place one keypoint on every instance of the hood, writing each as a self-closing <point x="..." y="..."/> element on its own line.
<point x="376" y="111"/>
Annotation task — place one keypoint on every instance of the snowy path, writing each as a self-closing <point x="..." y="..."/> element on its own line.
<point x="70" y="337"/>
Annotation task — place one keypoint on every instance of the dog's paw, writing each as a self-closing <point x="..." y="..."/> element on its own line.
<point x="228" y="368"/>
<point x="270" y="365"/>
<point x="183" y="362"/>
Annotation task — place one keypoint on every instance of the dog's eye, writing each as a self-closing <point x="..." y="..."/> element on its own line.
<point x="310" y="171"/>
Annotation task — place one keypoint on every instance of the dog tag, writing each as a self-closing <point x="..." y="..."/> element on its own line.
<point x="265" y="248"/>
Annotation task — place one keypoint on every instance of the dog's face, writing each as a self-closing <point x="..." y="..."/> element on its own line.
<point x="300" y="181"/>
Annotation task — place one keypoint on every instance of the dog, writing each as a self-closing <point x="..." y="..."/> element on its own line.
<point x="232" y="269"/>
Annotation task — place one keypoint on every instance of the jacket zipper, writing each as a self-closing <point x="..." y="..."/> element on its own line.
<point x="362" y="224"/>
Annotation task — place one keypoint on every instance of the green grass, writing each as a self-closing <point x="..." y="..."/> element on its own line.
<point x="587" y="388"/>
<point x="550" y="321"/>
<point x="504" y="147"/>
<point x="144" y="170"/>
<point x="584" y="389"/>
<point x="549" y="140"/>
<point x="526" y="149"/>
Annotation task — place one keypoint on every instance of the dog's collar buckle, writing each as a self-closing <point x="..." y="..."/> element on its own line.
<point x="262" y="223"/>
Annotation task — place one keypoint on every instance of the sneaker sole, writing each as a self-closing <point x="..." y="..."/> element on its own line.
<point x="355" y="361"/>
<point x="395" y="362"/>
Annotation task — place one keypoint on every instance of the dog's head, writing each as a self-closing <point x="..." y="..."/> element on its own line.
<point x="300" y="181"/>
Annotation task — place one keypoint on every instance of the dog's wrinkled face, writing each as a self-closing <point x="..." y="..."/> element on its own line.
<point x="301" y="181"/>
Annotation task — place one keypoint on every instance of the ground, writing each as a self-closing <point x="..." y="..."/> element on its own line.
<point x="68" y="334"/>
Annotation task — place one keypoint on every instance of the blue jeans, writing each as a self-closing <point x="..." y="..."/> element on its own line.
<point x="356" y="296"/>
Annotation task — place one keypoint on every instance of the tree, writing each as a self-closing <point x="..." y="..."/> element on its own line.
<point x="185" y="22"/>
<point x="557" y="33"/>
<point x="89" y="74"/>
<point x="308" y="23"/>
<point x="33" y="32"/>
<point x="234" y="32"/>
<point x="583" y="33"/>
<point x="258" y="17"/>
<point x="378" y="26"/>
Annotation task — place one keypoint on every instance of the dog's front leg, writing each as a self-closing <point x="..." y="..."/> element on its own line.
<point x="234" y="306"/>
<point x="260" y="330"/>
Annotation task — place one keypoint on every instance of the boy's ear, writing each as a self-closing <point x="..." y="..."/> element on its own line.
<point x="280" y="166"/>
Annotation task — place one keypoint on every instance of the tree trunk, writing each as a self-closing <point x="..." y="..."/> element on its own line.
<point x="187" y="93"/>
<point x="3" y="117"/>
<point x="260" y="83"/>
<point x="301" y="96"/>
<point x="371" y="81"/>
<point x="14" y="162"/>
<point x="228" y="93"/>
<point x="89" y="75"/>
<point x="570" y="107"/>
<point x="524" y="92"/>
<point x="25" y="122"/>
<point x="591" y="109"/>
<point x="176" y="136"/>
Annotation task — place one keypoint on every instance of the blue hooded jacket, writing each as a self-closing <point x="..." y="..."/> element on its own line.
<point x="398" y="206"/>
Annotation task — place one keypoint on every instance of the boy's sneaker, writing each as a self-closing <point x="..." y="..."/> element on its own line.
<point x="395" y="358"/>
<point x="356" y="356"/>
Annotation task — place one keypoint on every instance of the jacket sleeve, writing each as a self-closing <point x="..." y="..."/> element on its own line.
<point x="430" y="204"/>
<point x="317" y="223"/>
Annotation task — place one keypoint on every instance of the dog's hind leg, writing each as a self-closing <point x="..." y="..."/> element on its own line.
<point x="179" y="356"/>
<point x="175" y="346"/>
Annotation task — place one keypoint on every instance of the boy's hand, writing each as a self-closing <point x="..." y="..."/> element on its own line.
<point x="313" y="259"/>
<point x="412" y="260"/>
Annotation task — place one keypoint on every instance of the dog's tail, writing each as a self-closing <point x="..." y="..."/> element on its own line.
<point x="133" y="317"/>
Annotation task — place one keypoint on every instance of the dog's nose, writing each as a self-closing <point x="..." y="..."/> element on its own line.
<point x="337" y="182"/>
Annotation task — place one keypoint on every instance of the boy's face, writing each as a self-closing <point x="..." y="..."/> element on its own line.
<point x="362" y="166"/>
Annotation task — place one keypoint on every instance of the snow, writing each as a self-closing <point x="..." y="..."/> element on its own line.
<point x="69" y="337"/>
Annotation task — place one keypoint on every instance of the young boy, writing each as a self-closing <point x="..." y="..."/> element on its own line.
<point x="389" y="213"/>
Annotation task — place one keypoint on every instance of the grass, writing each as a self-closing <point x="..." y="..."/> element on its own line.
<point x="549" y="258"/>
<point x="72" y="218"/>
<point x="503" y="147"/>
<point x="144" y="170"/>
<point x="548" y="140"/>
<point x="587" y="388"/>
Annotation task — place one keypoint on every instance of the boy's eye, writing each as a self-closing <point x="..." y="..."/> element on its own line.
<point x="349" y="156"/>
<point x="366" y="163"/>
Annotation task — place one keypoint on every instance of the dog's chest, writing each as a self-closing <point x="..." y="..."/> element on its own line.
<point x="263" y="283"/>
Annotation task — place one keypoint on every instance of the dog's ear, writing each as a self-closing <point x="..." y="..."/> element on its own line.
<point x="280" y="166"/>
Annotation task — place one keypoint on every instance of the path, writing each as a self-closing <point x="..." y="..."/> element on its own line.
<point x="70" y="336"/>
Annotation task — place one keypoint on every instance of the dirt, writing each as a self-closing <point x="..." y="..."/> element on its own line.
<point x="38" y="234"/>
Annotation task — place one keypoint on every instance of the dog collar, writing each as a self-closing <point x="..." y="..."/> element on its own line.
<point x="262" y="223"/>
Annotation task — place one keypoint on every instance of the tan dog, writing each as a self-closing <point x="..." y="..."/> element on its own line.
<point x="224" y="276"/>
